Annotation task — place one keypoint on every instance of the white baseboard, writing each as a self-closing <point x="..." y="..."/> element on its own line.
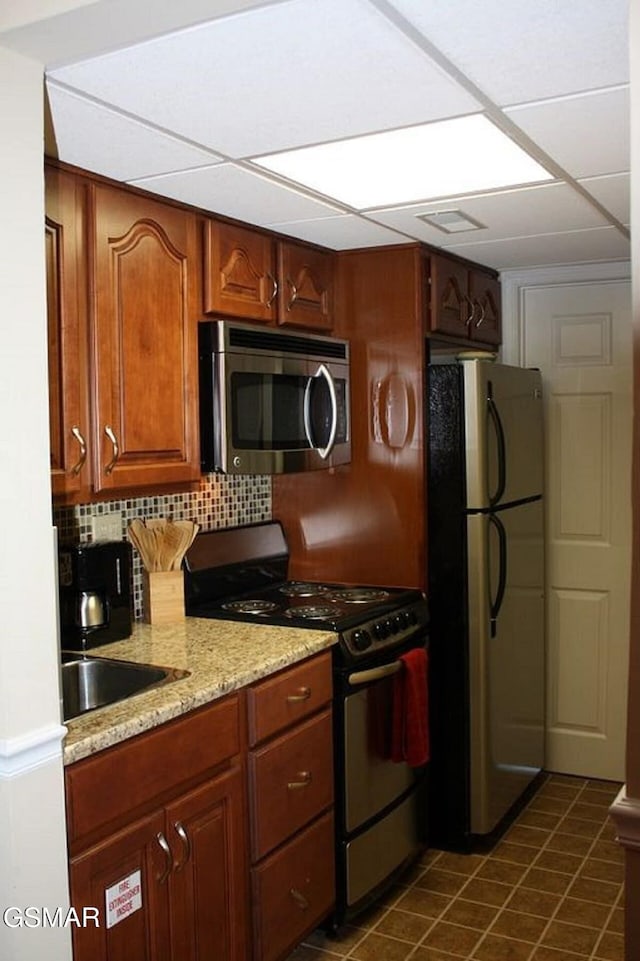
<point x="625" y="812"/>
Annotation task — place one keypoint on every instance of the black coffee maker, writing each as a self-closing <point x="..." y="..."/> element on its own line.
<point x="95" y="593"/>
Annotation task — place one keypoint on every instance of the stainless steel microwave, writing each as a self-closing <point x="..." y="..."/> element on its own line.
<point x="271" y="401"/>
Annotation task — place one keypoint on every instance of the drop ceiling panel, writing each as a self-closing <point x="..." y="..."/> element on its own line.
<point x="587" y="135"/>
<point x="341" y="233"/>
<point x="230" y="190"/>
<point x="276" y="77"/>
<point x="523" y="50"/>
<point x="575" y="247"/>
<point x="96" y="138"/>
<point x="508" y="213"/>
<point x="613" y="193"/>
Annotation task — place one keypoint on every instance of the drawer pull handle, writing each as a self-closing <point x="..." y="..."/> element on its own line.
<point x="304" y="693"/>
<point x="305" y="779"/>
<point x="299" y="898"/>
<point x="162" y="841"/>
<point x="186" y="844"/>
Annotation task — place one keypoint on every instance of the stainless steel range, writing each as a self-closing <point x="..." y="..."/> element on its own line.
<point x="241" y="574"/>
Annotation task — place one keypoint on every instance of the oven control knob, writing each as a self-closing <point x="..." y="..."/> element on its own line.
<point x="400" y="622"/>
<point x="392" y="627"/>
<point x="380" y="630"/>
<point x="361" y="640"/>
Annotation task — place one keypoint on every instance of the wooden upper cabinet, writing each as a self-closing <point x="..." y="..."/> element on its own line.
<point x="144" y="343"/>
<point x="239" y="275"/>
<point x="67" y="316"/>
<point x="250" y="274"/>
<point x="464" y="301"/>
<point x="306" y="278"/>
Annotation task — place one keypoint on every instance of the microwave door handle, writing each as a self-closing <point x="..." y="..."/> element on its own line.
<point x="323" y="452"/>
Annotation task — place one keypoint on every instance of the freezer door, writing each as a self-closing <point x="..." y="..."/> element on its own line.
<point x="504" y="434"/>
<point x="506" y="658"/>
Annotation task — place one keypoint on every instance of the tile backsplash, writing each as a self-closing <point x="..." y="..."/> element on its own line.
<point x="220" y="501"/>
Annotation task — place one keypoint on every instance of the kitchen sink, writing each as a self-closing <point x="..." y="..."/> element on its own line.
<point x="91" y="682"/>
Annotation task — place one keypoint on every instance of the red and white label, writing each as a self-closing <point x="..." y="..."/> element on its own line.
<point x="123" y="898"/>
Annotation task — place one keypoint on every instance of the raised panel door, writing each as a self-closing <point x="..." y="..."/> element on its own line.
<point x="239" y="272"/>
<point x="208" y="886"/>
<point x="69" y="426"/>
<point x="133" y="925"/>
<point x="450" y="309"/>
<point x="144" y="348"/>
<point x="306" y="282"/>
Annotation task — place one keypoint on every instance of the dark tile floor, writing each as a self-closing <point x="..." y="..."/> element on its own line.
<point x="550" y="890"/>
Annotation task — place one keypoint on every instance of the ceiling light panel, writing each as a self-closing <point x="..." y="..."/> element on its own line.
<point x="276" y="77"/>
<point x="462" y="155"/>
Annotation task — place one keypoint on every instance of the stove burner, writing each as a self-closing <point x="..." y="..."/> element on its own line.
<point x="359" y="595"/>
<point x="303" y="589"/>
<point x="250" y="607"/>
<point x="311" y="612"/>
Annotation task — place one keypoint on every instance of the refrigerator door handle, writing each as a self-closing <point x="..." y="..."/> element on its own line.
<point x="494" y="416"/>
<point x="496" y="603"/>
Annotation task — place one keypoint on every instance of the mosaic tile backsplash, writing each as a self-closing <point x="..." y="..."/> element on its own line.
<point x="221" y="501"/>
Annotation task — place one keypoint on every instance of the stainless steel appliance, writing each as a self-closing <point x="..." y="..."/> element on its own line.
<point x="271" y="401"/>
<point x="241" y="574"/>
<point x="95" y="593"/>
<point x="486" y="593"/>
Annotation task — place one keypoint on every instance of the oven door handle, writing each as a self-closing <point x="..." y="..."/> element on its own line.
<point x="323" y="452"/>
<point x="374" y="673"/>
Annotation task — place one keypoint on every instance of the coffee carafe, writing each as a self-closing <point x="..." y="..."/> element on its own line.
<point x="95" y="593"/>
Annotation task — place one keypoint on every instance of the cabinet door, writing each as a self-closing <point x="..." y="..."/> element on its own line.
<point x="208" y="885"/>
<point x="239" y="272"/>
<point x="144" y="347"/>
<point x="67" y="332"/>
<point x="306" y="281"/>
<point x="450" y="306"/>
<point x="486" y="326"/>
<point x="126" y="879"/>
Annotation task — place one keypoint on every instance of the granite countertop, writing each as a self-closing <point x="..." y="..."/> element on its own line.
<point x="222" y="656"/>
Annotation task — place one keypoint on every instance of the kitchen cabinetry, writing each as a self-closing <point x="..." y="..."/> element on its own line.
<point x="291" y="809"/>
<point x="122" y="351"/>
<point x="156" y="830"/>
<point x="250" y="274"/>
<point x="464" y="301"/>
<point x="144" y="342"/>
<point x="67" y="315"/>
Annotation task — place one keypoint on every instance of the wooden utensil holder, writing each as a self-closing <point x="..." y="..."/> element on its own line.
<point x="163" y="597"/>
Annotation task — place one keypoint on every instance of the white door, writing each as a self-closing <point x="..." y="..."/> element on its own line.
<point x="580" y="337"/>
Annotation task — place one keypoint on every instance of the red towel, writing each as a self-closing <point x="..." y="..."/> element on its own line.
<point x="410" y="736"/>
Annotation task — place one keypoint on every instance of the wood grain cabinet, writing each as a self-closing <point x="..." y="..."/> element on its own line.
<point x="464" y="301"/>
<point x="291" y="805"/>
<point x="253" y="275"/>
<point x="67" y="322"/>
<point x="122" y="350"/>
<point x="157" y="839"/>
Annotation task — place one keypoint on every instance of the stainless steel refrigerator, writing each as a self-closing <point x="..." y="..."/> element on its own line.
<point x="486" y="596"/>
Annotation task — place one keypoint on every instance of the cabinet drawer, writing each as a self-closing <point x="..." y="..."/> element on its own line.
<point x="288" y="697"/>
<point x="112" y="784"/>
<point x="293" y="890"/>
<point x="291" y="781"/>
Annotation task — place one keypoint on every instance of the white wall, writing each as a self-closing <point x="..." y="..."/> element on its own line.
<point x="33" y="869"/>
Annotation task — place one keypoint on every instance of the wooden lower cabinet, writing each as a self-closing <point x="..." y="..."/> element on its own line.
<point x="293" y="888"/>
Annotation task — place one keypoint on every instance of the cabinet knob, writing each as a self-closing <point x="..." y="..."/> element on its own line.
<point x="116" y="449"/>
<point x="162" y="841"/>
<point x="299" y="898"/>
<point x="305" y="779"/>
<point x="186" y="844"/>
<point x="77" y="467"/>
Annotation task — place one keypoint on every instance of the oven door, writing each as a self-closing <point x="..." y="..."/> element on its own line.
<point x="372" y="781"/>
<point x="282" y="413"/>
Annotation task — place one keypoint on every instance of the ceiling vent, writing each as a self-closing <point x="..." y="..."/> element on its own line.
<point x="451" y="221"/>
